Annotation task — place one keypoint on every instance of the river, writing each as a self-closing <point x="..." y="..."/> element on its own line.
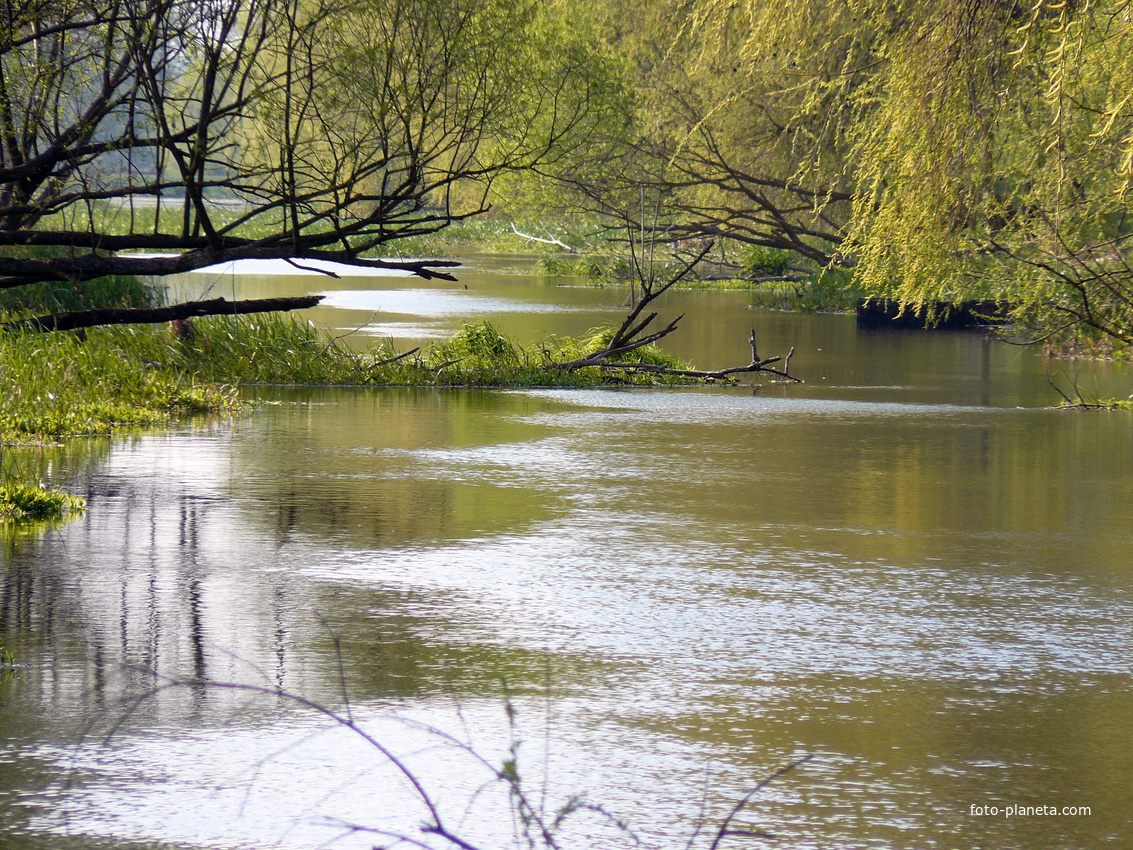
<point x="909" y="568"/>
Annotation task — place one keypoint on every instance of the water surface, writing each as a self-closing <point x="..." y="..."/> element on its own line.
<point x="909" y="568"/>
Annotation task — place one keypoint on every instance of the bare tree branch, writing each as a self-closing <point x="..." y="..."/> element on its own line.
<point x="267" y="129"/>
<point x="153" y="315"/>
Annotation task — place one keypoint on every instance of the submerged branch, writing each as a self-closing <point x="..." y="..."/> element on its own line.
<point x="757" y="365"/>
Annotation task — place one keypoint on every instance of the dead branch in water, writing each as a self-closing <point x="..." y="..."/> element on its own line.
<point x="551" y="241"/>
<point x="632" y="334"/>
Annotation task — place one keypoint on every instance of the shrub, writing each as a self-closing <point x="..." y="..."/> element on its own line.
<point x="761" y="261"/>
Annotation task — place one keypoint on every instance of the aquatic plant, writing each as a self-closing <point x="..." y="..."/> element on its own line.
<point x="478" y="345"/>
<point x="20" y="502"/>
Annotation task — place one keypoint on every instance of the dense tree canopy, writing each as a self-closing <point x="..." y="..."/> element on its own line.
<point x="998" y="162"/>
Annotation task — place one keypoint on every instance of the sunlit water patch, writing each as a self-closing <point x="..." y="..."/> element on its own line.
<point x="432" y="302"/>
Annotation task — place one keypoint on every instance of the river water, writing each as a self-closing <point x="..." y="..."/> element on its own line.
<point x="909" y="569"/>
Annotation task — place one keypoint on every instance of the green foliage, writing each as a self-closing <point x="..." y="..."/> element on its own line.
<point x="992" y="154"/>
<point x="21" y="503"/>
<point x="761" y="261"/>
<point x="556" y="266"/>
<point x="478" y="235"/>
<point x="833" y="290"/>
<point x="595" y="267"/>
<point x="952" y="150"/>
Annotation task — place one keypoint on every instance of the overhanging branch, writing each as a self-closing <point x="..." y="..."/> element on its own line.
<point x="154" y="315"/>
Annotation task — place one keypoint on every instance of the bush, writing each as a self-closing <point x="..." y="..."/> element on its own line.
<point x="761" y="261"/>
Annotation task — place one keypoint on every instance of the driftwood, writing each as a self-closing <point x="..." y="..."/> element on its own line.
<point x="153" y="315"/>
<point x="628" y="337"/>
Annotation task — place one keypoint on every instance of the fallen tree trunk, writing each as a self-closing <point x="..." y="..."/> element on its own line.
<point x="153" y="315"/>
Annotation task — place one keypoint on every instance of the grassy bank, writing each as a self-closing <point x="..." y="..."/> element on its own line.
<point x="58" y="385"/>
<point x="768" y="276"/>
<point x="110" y="379"/>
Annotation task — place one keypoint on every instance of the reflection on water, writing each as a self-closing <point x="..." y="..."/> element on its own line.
<point x="431" y="302"/>
<point x="898" y="571"/>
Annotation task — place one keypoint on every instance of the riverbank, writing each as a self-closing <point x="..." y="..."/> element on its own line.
<point x="111" y="380"/>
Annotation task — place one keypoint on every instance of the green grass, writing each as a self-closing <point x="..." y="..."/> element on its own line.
<point x="281" y="350"/>
<point x="58" y="385"/>
<point x="119" y="291"/>
<point x="22" y="503"/>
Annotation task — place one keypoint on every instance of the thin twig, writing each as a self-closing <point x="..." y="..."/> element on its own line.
<point x="723" y="831"/>
<point x="394" y="359"/>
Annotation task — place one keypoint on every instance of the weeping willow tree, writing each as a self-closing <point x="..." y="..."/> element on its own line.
<point x="738" y="129"/>
<point x="998" y="160"/>
<point x="948" y="149"/>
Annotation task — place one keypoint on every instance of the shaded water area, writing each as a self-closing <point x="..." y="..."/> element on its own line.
<point x="909" y="568"/>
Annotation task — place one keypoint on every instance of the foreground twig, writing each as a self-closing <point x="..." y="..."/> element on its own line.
<point x="154" y="315"/>
<point x="726" y="830"/>
<point x="433" y="826"/>
<point x="535" y="828"/>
